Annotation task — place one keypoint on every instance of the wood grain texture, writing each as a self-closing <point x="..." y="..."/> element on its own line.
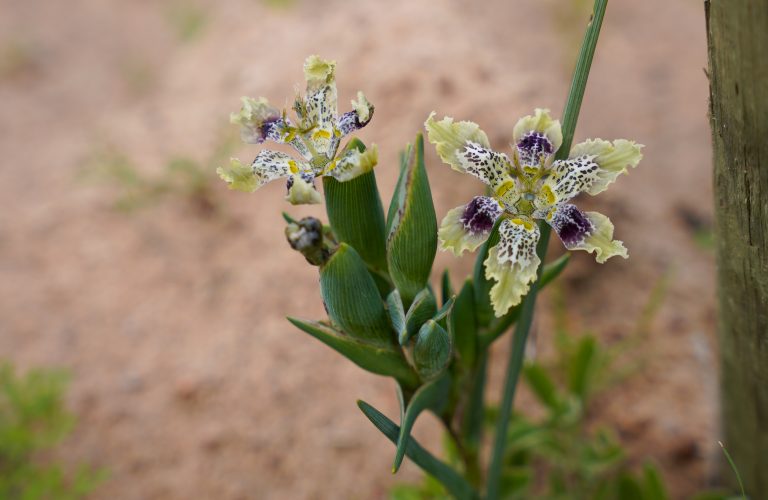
<point x="737" y="34"/>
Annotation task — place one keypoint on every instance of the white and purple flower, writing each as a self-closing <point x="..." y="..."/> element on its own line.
<point x="529" y="186"/>
<point x="316" y="137"/>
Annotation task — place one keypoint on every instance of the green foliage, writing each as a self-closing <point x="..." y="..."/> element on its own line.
<point x="187" y="19"/>
<point x="411" y="226"/>
<point x="33" y="420"/>
<point x="356" y="215"/>
<point x="352" y="299"/>
<point x="181" y="178"/>
<point x="373" y="357"/>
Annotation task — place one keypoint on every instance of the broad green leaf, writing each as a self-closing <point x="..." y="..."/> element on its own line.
<point x="445" y="286"/>
<point x="430" y="396"/>
<point x="412" y="234"/>
<point x="432" y="350"/>
<point x="449" y="478"/>
<point x="463" y="324"/>
<point x="375" y="358"/>
<point x="356" y="214"/>
<point x="582" y="366"/>
<point x="542" y="385"/>
<point x="352" y="299"/>
<point x="424" y="307"/>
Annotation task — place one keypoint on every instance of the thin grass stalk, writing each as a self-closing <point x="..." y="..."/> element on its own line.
<point x="523" y="326"/>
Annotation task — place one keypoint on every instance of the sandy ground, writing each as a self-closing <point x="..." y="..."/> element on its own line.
<point x="187" y="380"/>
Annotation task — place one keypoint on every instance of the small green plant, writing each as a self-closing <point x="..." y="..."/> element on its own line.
<point x="188" y="19"/>
<point x="385" y="315"/>
<point x="17" y="57"/>
<point x="33" y="419"/>
<point x="182" y="177"/>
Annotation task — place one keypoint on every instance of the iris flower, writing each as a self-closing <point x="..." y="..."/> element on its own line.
<point x="315" y="136"/>
<point x="528" y="186"/>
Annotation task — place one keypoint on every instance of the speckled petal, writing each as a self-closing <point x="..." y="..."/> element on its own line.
<point x="450" y="137"/>
<point x="301" y="189"/>
<point x="468" y="226"/>
<point x="489" y="166"/>
<point x="258" y="121"/>
<point x="613" y="159"/>
<point x="590" y="231"/>
<point x="359" y="117"/>
<point x="541" y="123"/>
<point x="353" y="163"/>
<point x="270" y="165"/>
<point x="512" y="263"/>
<point x="569" y="178"/>
<point x="317" y="110"/>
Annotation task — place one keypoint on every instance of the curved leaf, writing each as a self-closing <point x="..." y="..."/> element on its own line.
<point x="412" y="227"/>
<point x="377" y="359"/>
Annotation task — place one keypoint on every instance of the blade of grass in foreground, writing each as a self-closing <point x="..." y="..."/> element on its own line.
<point x="570" y="116"/>
<point x="453" y="482"/>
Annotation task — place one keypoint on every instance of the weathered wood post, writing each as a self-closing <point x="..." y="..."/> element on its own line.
<point x="737" y="34"/>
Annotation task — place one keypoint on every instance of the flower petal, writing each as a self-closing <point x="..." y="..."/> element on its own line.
<point x="449" y="138"/>
<point x="489" y="166"/>
<point x="318" y="72"/>
<point x="536" y="135"/>
<point x="567" y="179"/>
<point x="269" y="165"/>
<point x="239" y="176"/>
<point x="358" y="118"/>
<point x="258" y="120"/>
<point x="353" y="163"/>
<point x="318" y="109"/>
<point x="301" y="190"/>
<point x="590" y="231"/>
<point x="612" y="159"/>
<point x="468" y="226"/>
<point x="512" y="263"/>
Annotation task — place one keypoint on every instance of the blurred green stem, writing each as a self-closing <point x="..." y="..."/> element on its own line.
<point x="523" y="326"/>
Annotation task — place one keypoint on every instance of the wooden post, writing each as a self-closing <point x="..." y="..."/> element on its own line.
<point x="737" y="34"/>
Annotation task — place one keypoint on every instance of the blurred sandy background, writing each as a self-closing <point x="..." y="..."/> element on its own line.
<point x="187" y="380"/>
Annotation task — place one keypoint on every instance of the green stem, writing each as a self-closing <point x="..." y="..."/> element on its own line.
<point x="523" y="326"/>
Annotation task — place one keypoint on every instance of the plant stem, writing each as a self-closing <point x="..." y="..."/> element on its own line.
<point x="523" y="326"/>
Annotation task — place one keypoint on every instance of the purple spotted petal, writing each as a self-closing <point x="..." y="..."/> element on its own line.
<point x="572" y="225"/>
<point x="350" y="121"/>
<point x="308" y="177"/>
<point x="480" y="214"/>
<point x="532" y="147"/>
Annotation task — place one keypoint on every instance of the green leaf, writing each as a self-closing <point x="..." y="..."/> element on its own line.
<point x="542" y="385"/>
<point x="424" y="307"/>
<point x="382" y="360"/>
<point x="553" y="269"/>
<point x="449" y="478"/>
<point x="463" y="324"/>
<point x="356" y="214"/>
<point x="653" y="484"/>
<point x="629" y="488"/>
<point x="412" y="233"/>
<point x="396" y="313"/>
<point x="352" y="299"/>
<point x="482" y="285"/>
<point x="432" y="350"/>
<point x="430" y="396"/>
<point x="445" y="286"/>
<point x="582" y="367"/>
